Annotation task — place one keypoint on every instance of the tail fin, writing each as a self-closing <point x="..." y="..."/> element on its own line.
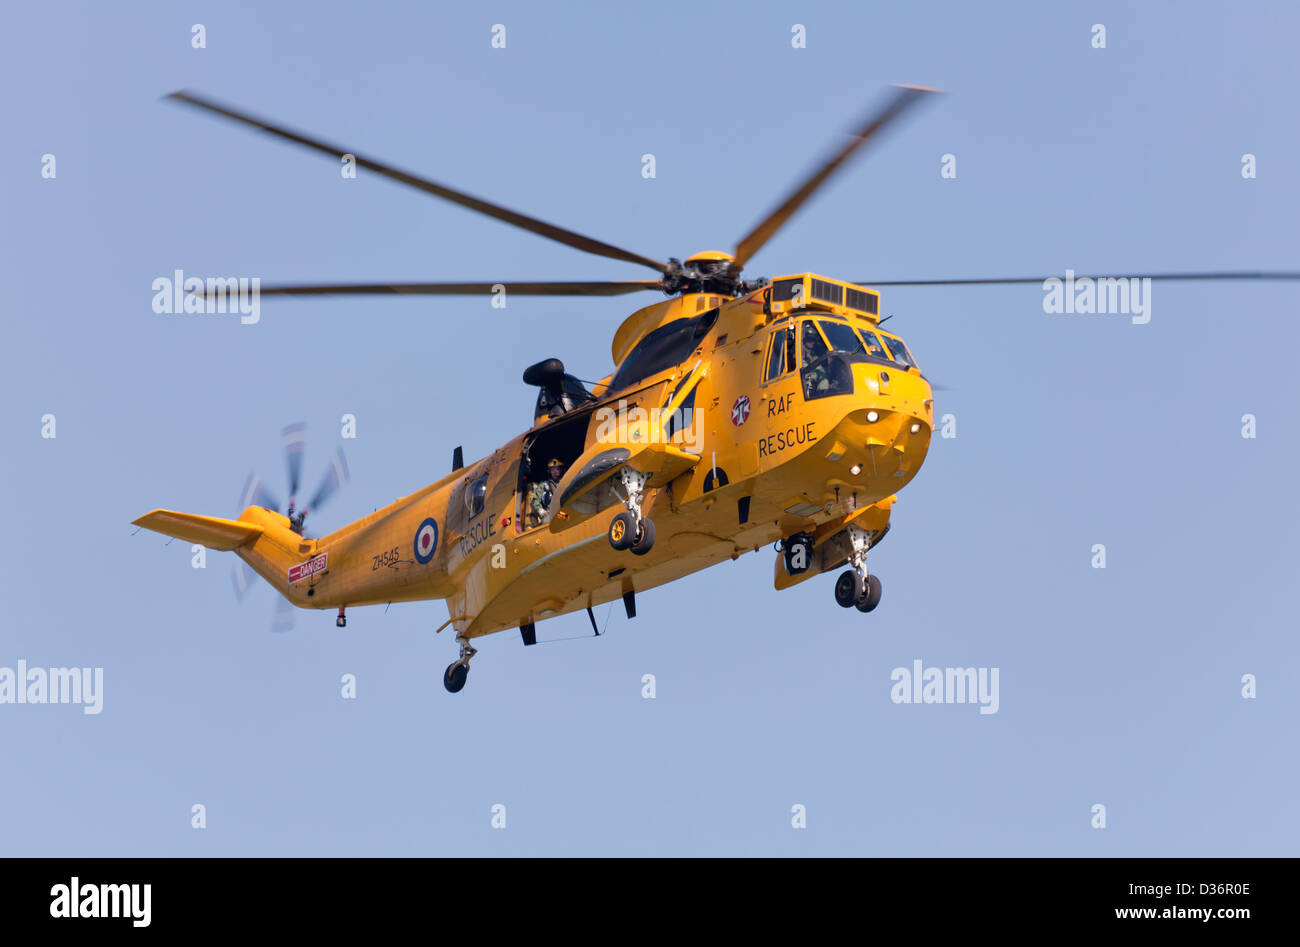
<point x="260" y="537"/>
<point x="210" y="531"/>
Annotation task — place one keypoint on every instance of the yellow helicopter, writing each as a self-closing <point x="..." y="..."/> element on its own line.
<point x="740" y="413"/>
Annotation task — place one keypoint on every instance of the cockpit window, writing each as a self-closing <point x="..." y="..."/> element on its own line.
<point x="842" y="338"/>
<point x="780" y="357"/>
<point x="874" y="348"/>
<point x="898" y="351"/>
<point x="813" y="346"/>
<point x="823" y="372"/>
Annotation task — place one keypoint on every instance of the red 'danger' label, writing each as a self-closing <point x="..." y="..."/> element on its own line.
<point x="308" y="568"/>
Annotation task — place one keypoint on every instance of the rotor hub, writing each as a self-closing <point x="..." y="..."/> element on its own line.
<point x="711" y="271"/>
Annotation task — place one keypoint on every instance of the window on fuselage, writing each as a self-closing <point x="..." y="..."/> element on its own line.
<point x="662" y="348"/>
<point x="683" y="418"/>
<point x="780" y="358"/>
<point x="476" y="496"/>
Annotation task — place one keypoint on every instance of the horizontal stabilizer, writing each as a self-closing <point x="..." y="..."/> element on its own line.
<point x="210" y="531"/>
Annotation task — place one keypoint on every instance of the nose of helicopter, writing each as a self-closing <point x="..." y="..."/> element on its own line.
<point x="895" y="391"/>
<point x="881" y="443"/>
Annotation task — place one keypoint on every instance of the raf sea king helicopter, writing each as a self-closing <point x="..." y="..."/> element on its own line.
<point x="740" y="413"/>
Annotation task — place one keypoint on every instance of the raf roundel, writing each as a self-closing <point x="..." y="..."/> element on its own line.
<point x="426" y="541"/>
<point x="740" y="411"/>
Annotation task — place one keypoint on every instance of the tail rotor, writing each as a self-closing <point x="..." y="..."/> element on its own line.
<point x="255" y="493"/>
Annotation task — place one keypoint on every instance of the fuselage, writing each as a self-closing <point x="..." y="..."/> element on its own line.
<point x="771" y="420"/>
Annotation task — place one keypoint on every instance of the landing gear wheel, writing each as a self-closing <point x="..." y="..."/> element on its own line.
<point x="870" y="596"/>
<point x="848" y="588"/>
<point x="798" y="555"/>
<point x="631" y="530"/>
<point x="646" y="540"/>
<point x="454" y="677"/>
<point x="622" y="531"/>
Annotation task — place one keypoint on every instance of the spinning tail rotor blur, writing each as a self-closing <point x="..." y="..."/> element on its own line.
<point x="255" y="493"/>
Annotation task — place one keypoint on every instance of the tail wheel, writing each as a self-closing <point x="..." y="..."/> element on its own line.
<point x="870" y="595"/>
<point x="622" y="531"/>
<point x="454" y="677"/>
<point x="646" y="540"/>
<point x="848" y="588"/>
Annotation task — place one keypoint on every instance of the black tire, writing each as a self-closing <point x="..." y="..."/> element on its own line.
<point x="622" y="531"/>
<point x="454" y="677"/>
<point x="645" y="542"/>
<point x="793" y="548"/>
<point x="870" y="596"/>
<point x="848" y="588"/>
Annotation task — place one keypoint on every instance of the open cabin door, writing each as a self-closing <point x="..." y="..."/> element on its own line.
<point x="563" y="439"/>
<point x="661" y="441"/>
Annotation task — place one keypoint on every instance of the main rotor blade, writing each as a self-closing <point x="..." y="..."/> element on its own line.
<point x="463" y="289"/>
<point x="754" y="240"/>
<point x="531" y="224"/>
<point x="1186" y="277"/>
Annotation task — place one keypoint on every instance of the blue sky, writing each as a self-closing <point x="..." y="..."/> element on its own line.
<point x="1119" y="687"/>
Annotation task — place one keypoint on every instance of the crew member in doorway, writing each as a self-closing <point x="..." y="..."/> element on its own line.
<point x="542" y="492"/>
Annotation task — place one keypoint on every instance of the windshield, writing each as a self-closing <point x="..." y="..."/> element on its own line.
<point x="842" y="337"/>
<point x="874" y="348"/>
<point x="898" y="351"/>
